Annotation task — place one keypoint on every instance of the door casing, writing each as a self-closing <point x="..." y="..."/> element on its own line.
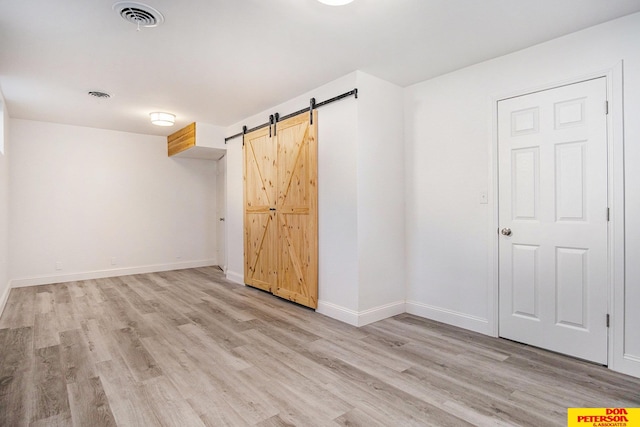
<point x="615" y="186"/>
<point x="221" y="212"/>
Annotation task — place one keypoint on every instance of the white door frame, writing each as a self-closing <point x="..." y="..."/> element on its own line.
<point x="615" y="186"/>
<point x="221" y="186"/>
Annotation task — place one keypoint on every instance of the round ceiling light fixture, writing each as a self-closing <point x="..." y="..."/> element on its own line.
<point x="335" y="2"/>
<point x="162" y="119"/>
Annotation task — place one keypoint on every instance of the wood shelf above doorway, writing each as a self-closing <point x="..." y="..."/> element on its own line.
<point x="182" y="140"/>
<point x="197" y="141"/>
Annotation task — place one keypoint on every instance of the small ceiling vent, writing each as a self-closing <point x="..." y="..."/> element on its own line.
<point x="99" y="94"/>
<point x="137" y="13"/>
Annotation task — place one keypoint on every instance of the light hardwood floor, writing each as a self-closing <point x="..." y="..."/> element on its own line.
<point x="188" y="348"/>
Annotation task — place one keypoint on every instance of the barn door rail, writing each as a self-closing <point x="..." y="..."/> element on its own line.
<point x="275" y="118"/>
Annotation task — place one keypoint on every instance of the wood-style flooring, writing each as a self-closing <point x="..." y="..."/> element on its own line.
<point x="188" y="348"/>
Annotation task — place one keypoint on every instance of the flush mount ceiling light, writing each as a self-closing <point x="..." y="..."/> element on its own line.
<point x="137" y="13"/>
<point x="162" y="119"/>
<point x="335" y="2"/>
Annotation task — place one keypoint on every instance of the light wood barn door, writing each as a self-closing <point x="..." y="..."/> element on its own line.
<point x="260" y="238"/>
<point x="297" y="213"/>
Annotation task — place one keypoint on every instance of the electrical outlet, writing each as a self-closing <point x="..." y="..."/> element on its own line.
<point x="484" y="198"/>
<point x="113" y="260"/>
<point x="58" y="265"/>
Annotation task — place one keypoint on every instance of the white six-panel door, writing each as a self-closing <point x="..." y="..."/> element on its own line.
<point x="552" y="150"/>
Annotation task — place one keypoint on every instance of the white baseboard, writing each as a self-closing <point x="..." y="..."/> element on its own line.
<point x="4" y="297"/>
<point x="234" y="277"/>
<point x="99" y="274"/>
<point x="360" y="318"/>
<point x="449" y="317"/>
<point x="380" y="313"/>
<point x="337" y="312"/>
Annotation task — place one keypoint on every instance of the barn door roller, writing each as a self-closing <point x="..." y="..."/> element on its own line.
<point x="271" y="122"/>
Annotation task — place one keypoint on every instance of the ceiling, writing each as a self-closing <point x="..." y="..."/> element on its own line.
<point x="220" y="61"/>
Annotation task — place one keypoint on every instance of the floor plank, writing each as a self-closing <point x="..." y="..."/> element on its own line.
<point x="23" y="305"/>
<point x="190" y="348"/>
<point x="50" y="397"/>
<point x="16" y="365"/>
<point x="126" y="400"/>
<point x="77" y="363"/>
<point x="89" y="404"/>
<point x="168" y="405"/>
<point x="141" y="364"/>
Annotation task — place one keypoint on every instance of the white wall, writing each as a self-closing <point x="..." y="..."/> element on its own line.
<point x="337" y="200"/>
<point x="103" y="203"/>
<point x="361" y="247"/>
<point x="4" y="209"/>
<point x="448" y="135"/>
<point x="381" y="257"/>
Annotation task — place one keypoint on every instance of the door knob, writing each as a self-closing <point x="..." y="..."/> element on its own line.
<point x="505" y="232"/>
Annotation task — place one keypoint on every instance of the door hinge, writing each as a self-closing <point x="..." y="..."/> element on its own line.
<point x="606" y="107"/>
<point x="608" y="320"/>
<point x="608" y="215"/>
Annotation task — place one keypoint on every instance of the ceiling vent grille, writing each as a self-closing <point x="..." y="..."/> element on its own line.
<point x="137" y="13"/>
<point x="99" y="94"/>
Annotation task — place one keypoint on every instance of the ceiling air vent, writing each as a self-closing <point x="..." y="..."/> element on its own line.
<point x="99" y="94"/>
<point x="137" y="13"/>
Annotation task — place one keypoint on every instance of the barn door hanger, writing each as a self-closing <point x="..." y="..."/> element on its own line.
<point x="313" y="105"/>
<point x="276" y="117"/>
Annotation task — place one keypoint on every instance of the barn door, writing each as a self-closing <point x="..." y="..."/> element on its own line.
<point x="260" y="177"/>
<point x="281" y="219"/>
<point x="553" y="218"/>
<point x="296" y="211"/>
